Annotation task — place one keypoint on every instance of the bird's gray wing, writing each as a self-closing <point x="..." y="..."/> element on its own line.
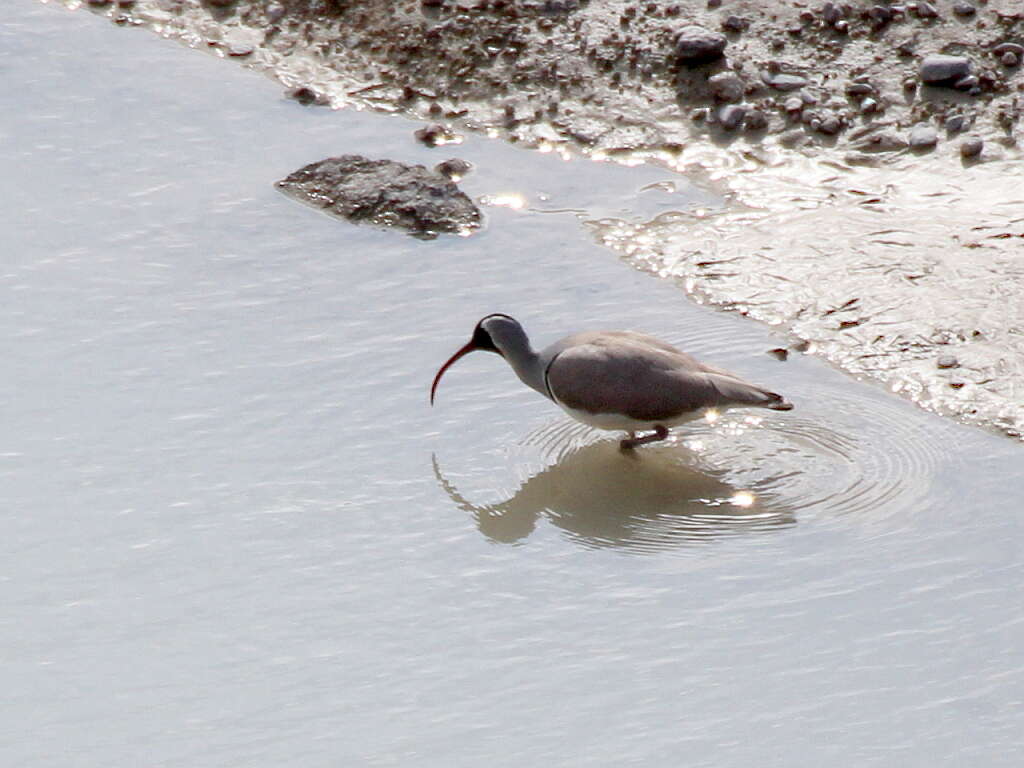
<point x="636" y="380"/>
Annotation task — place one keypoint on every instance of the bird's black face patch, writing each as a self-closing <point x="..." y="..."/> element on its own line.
<point x="482" y="340"/>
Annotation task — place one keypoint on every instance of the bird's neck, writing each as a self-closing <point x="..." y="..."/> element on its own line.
<point x="527" y="365"/>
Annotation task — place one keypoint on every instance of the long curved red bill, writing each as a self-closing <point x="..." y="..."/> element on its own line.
<point x="464" y="351"/>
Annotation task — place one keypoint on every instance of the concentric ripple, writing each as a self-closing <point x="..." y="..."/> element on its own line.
<point x="741" y="474"/>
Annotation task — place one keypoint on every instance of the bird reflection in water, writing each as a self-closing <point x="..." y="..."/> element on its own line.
<point x="602" y="497"/>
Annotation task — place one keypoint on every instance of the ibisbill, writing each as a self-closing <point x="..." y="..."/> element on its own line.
<point x="616" y="380"/>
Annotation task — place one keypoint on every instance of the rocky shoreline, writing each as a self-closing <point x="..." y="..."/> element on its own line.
<point x="865" y="77"/>
<point x="868" y="149"/>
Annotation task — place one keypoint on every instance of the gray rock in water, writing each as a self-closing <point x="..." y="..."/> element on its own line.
<point x="923" y="136"/>
<point x="731" y="115"/>
<point x="385" y="193"/>
<point x="971" y="146"/>
<point x="726" y="86"/>
<point x="454" y="168"/>
<point x="941" y="69"/>
<point x="783" y="82"/>
<point x="695" y="44"/>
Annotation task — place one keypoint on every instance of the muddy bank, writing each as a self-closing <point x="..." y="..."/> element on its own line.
<point x="868" y="149"/>
<point x="627" y="75"/>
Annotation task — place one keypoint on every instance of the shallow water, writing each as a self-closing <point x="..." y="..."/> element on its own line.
<point x="237" y="534"/>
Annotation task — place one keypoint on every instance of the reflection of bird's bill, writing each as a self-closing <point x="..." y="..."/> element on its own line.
<point x="604" y="497"/>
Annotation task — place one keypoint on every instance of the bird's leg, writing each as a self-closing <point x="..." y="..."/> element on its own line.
<point x="660" y="433"/>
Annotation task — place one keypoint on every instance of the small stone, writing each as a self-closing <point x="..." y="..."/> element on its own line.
<point x="755" y="120"/>
<point x="923" y="136"/>
<point x="947" y="361"/>
<point x="783" y="82"/>
<point x="885" y="141"/>
<point x="454" y="168"/>
<point x="435" y="135"/>
<point x="695" y="45"/>
<point x="880" y="14"/>
<point x="779" y="353"/>
<point x="275" y="12"/>
<point x="714" y="3"/>
<point x="735" y="24"/>
<point x="926" y="11"/>
<point x="793" y="104"/>
<point x="966" y="83"/>
<point x="842" y="26"/>
<point x="726" y="86"/>
<point x="731" y="115"/>
<point x="860" y="89"/>
<point x="907" y="47"/>
<point x="971" y="147"/>
<point x="868" y="106"/>
<point x="955" y="123"/>
<point x="1009" y="59"/>
<point x="830" y="124"/>
<point x="306" y="96"/>
<point x="964" y="9"/>
<point x="831" y="13"/>
<point x="957" y="383"/>
<point x="1014" y="48"/>
<point x="941" y="69"/>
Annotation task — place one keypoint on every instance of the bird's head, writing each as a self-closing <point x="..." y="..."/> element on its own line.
<point x="494" y="333"/>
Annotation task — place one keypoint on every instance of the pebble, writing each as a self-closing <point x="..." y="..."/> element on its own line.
<point x="731" y="115"/>
<point x="695" y="44"/>
<point x="1013" y="48"/>
<point x="966" y="83"/>
<point x="306" y="96"/>
<point x="726" y="86"/>
<point x="755" y="120"/>
<point x="275" y="12"/>
<point x="793" y="104"/>
<point x="831" y="13"/>
<point x="964" y="9"/>
<point x="735" y="24"/>
<point x="1010" y="59"/>
<point x="886" y="141"/>
<point x="783" y="82"/>
<point x="841" y="26"/>
<point x="947" y="361"/>
<point x="955" y="123"/>
<point x="454" y="168"/>
<point x="926" y="11"/>
<point x="940" y="69"/>
<point x="434" y="135"/>
<point x="971" y="147"/>
<point x="830" y="124"/>
<point x="923" y="136"/>
<point x="868" y="106"/>
<point x="860" y="89"/>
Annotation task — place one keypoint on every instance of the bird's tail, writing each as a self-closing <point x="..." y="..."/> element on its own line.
<point x="734" y="391"/>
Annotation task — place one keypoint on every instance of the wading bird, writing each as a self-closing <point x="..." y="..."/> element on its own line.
<point x="616" y="380"/>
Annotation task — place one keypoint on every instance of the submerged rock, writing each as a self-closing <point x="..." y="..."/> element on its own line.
<point x="386" y="193"/>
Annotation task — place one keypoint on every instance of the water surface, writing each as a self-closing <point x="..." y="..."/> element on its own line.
<point x="236" y="533"/>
